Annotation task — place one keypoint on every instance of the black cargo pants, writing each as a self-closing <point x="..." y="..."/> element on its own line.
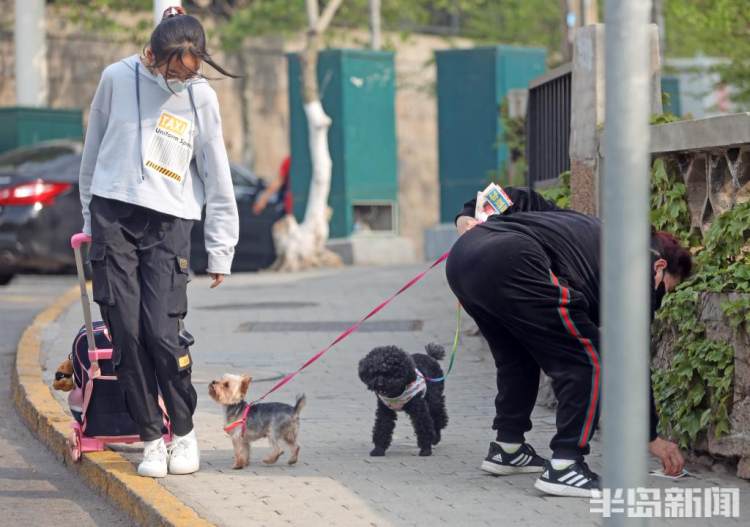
<point x="139" y="259"/>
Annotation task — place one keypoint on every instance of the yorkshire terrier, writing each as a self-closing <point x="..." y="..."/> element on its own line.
<point x="276" y="421"/>
<point x="409" y="383"/>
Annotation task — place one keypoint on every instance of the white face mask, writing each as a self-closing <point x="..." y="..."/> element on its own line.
<point x="177" y="86"/>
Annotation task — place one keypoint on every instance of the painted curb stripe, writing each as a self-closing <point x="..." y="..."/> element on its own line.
<point x="108" y="473"/>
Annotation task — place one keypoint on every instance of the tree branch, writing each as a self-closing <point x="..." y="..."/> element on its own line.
<point x="328" y="13"/>
<point x="312" y="13"/>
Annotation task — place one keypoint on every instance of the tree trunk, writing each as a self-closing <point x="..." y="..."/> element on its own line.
<point x="246" y="108"/>
<point x="300" y="246"/>
<point x="376" y="40"/>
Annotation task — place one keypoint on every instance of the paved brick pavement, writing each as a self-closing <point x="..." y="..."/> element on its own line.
<point x="336" y="483"/>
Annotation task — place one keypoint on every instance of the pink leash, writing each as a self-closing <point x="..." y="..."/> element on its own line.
<point x="243" y="420"/>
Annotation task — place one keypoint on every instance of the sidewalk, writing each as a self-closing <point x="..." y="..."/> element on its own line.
<point x="248" y="325"/>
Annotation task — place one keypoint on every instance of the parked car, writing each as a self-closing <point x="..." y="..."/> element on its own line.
<point x="255" y="250"/>
<point x="40" y="210"/>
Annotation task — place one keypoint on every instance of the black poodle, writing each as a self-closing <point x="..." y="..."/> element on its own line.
<point x="402" y="382"/>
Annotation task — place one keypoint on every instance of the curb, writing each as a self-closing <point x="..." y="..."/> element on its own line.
<point x="108" y="473"/>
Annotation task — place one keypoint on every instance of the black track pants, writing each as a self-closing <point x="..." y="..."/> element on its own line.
<point x="531" y="320"/>
<point x="140" y="268"/>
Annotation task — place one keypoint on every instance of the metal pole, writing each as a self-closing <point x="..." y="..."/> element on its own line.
<point x="31" y="53"/>
<point x="161" y="5"/>
<point x="375" y="25"/>
<point x="625" y="246"/>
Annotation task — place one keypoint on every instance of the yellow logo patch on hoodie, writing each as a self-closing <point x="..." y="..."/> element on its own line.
<point x="171" y="147"/>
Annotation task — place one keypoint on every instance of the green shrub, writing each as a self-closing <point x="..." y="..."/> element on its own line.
<point x="560" y="193"/>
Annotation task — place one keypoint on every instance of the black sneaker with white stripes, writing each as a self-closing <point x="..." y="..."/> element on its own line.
<point x="522" y="461"/>
<point x="576" y="480"/>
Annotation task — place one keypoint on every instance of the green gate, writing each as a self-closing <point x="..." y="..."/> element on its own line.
<point x="357" y="89"/>
<point x="22" y="126"/>
<point x="471" y="86"/>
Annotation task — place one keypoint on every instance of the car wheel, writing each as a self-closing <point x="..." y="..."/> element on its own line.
<point x="5" y="278"/>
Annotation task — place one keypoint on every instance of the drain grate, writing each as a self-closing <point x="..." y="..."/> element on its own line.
<point x="258" y="305"/>
<point x="375" y="326"/>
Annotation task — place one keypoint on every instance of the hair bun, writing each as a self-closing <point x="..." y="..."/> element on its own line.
<point x="169" y="12"/>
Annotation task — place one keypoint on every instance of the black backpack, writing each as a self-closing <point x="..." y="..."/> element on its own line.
<point x="107" y="412"/>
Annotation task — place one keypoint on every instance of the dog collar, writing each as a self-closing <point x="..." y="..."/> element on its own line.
<point x="413" y="389"/>
<point x="242" y="421"/>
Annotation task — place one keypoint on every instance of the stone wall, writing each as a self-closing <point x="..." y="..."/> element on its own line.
<point x="76" y="61"/>
<point x="712" y="157"/>
<point x="735" y="446"/>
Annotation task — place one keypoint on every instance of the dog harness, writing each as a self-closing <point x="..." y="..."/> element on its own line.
<point x="419" y="386"/>
<point x="242" y="421"/>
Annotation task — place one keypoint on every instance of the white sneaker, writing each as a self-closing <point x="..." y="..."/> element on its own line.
<point x="154" y="464"/>
<point x="184" y="456"/>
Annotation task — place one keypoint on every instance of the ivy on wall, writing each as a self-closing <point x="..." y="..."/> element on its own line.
<point x="560" y="193"/>
<point x="694" y="394"/>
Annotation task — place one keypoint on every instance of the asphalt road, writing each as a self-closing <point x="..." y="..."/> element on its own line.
<point x="35" y="488"/>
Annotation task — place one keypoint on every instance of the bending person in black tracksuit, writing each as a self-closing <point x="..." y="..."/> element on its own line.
<point x="530" y="280"/>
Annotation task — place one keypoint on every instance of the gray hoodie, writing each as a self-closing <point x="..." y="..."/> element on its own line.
<point x="181" y="164"/>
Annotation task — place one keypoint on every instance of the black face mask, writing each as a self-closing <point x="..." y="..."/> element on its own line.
<point x="657" y="295"/>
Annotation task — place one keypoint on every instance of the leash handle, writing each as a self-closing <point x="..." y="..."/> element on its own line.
<point x="351" y="330"/>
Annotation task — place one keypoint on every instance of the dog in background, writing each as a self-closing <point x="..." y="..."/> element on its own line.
<point x="278" y="422"/>
<point x="401" y="382"/>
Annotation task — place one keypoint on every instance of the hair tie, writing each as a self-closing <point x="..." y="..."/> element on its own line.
<point x="172" y="11"/>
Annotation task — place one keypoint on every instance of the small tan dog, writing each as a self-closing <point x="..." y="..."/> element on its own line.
<point x="64" y="377"/>
<point x="276" y="421"/>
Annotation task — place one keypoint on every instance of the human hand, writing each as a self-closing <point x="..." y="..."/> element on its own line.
<point x="465" y="223"/>
<point x="217" y="279"/>
<point x="669" y="454"/>
<point x="260" y="203"/>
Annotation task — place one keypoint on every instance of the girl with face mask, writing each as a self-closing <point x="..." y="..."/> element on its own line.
<point x="153" y="158"/>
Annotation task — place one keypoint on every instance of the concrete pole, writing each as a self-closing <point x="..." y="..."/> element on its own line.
<point x="376" y="39"/>
<point x="657" y="17"/>
<point x="31" y="53"/>
<point x="569" y="19"/>
<point x="625" y="248"/>
<point x="161" y="5"/>
<point x="589" y="12"/>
